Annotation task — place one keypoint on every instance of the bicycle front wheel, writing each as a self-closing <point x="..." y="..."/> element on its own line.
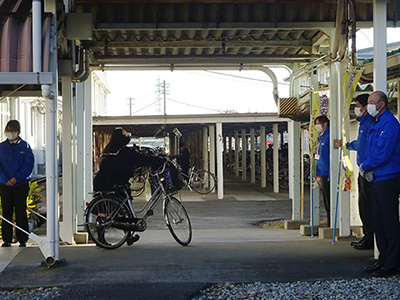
<point x="178" y="221"/>
<point x="203" y="182"/>
<point x="102" y="219"/>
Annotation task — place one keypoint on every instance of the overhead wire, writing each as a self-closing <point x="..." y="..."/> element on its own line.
<point x="246" y="78"/>
<point x="139" y="110"/>
<point x="192" y="105"/>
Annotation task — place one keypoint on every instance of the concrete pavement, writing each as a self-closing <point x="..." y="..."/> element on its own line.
<point x="227" y="246"/>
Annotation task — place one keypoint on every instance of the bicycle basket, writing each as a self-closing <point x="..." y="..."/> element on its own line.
<point x="169" y="179"/>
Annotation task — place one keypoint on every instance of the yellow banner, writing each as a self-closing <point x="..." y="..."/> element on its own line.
<point x="319" y="107"/>
<point x="350" y="81"/>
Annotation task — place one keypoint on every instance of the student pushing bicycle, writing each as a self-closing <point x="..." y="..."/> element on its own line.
<point x="110" y="217"/>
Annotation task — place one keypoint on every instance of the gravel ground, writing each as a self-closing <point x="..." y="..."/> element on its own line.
<point x="31" y="294"/>
<point x="365" y="289"/>
<point x="354" y="289"/>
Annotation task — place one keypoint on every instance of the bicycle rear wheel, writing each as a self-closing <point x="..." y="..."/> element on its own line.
<point x="178" y="221"/>
<point x="102" y="216"/>
<point x="203" y="182"/>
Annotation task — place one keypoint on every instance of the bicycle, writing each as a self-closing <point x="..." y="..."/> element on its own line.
<point x="283" y="173"/>
<point x="111" y="219"/>
<point x="202" y="181"/>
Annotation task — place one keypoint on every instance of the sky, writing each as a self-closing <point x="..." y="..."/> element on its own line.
<point x="192" y="92"/>
<point x="204" y="92"/>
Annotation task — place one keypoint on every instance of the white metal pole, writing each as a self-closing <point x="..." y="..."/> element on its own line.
<point x="211" y="132"/>
<point x="205" y="149"/>
<point x="380" y="63"/>
<point x="244" y="155"/>
<point x="68" y="225"/>
<point x="88" y="139"/>
<point x="37" y="35"/>
<point x="237" y="149"/>
<point x="380" y="40"/>
<point x="276" y="157"/>
<point x="50" y="92"/>
<point x="294" y="167"/>
<point x="263" y="150"/>
<point x="80" y="159"/>
<point x="344" y="197"/>
<point x="252" y="156"/>
<point x="334" y="134"/>
<point x="220" y="167"/>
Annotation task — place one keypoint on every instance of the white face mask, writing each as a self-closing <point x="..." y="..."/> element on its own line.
<point x="372" y="110"/>
<point x="357" y="111"/>
<point x="11" y="135"/>
<point x="318" y="128"/>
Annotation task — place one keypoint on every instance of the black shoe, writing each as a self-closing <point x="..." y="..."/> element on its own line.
<point x="374" y="267"/>
<point x="386" y="273"/>
<point x="132" y="239"/>
<point x="363" y="245"/>
<point x="354" y="242"/>
<point x="22" y="244"/>
<point x="6" y="245"/>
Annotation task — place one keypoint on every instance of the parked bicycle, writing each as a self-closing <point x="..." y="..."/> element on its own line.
<point x="202" y="181"/>
<point x="111" y="218"/>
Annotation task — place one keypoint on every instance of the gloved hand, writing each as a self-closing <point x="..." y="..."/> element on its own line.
<point x="367" y="175"/>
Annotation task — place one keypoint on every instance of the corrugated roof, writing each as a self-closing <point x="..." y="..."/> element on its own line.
<point x="16" y="43"/>
<point x="175" y="33"/>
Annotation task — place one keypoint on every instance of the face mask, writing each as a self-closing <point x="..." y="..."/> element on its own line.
<point x="357" y="111"/>
<point x="372" y="110"/>
<point x="318" y="127"/>
<point x="11" y="135"/>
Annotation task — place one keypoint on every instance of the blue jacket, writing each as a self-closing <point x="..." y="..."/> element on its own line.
<point x="16" y="160"/>
<point x="323" y="153"/>
<point x="361" y="143"/>
<point x="383" y="157"/>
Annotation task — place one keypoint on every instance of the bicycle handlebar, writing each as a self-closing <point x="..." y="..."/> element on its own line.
<point x="159" y="170"/>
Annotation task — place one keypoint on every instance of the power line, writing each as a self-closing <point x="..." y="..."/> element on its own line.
<point x="155" y="102"/>
<point x="246" y="78"/>
<point x="195" y="106"/>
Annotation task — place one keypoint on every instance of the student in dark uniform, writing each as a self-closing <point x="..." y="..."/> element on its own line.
<point x="118" y="162"/>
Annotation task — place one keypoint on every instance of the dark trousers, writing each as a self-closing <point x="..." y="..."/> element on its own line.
<point x="327" y="197"/>
<point x="365" y="191"/>
<point x="386" y="221"/>
<point x="14" y="198"/>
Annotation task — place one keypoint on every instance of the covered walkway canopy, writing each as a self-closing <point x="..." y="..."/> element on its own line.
<point x="70" y="38"/>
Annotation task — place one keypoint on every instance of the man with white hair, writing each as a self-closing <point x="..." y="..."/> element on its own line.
<point x="382" y="167"/>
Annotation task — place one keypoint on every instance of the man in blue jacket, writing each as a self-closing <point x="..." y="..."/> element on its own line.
<point x="322" y="158"/>
<point x="16" y="164"/>
<point x="364" y="187"/>
<point x="382" y="166"/>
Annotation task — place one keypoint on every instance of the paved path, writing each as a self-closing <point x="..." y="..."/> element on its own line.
<point x="227" y="246"/>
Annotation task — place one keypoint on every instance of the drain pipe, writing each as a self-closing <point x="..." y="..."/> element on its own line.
<point x="83" y="72"/>
<point x="274" y="80"/>
<point x="47" y="245"/>
<point x="37" y="35"/>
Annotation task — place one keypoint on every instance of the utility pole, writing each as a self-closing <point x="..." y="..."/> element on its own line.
<point x="130" y="105"/>
<point x="165" y="99"/>
<point x="162" y="90"/>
